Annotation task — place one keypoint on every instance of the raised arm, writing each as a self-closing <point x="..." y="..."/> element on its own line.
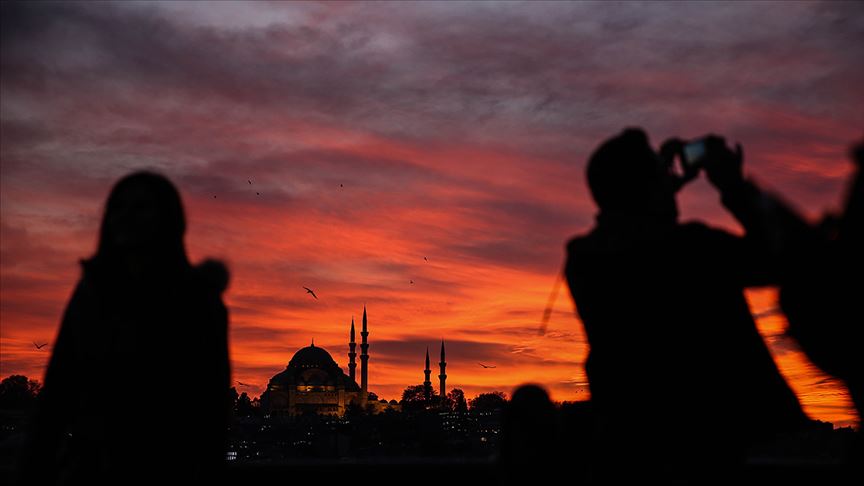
<point x="772" y="228"/>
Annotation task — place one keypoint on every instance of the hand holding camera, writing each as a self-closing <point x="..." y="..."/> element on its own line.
<point x="722" y="166"/>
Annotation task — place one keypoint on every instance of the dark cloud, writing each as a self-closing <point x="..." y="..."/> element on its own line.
<point x="520" y="66"/>
<point x="255" y="334"/>
<point x="412" y="352"/>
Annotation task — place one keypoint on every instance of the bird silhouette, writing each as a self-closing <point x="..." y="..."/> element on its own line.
<point x="310" y="291"/>
<point x="250" y="183"/>
<point x="39" y="346"/>
<point x="425" y="259"/>
<point x="486" y="366"/>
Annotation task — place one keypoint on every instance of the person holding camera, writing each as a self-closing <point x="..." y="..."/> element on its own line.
<point x="681" y="381"/>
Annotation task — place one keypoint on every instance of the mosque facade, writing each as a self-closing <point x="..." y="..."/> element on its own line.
<point x="313" y="382"/>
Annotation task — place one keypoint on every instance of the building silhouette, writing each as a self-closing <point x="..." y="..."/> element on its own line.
<point x="352" y="354"/>
<point x="314" y="382"/>
<point x="364" y="359"/>
<point x="442" y="377"/>
<point x="427" y="382"/>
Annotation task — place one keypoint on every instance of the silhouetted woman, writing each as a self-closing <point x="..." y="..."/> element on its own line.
<point x="136" y="389"/>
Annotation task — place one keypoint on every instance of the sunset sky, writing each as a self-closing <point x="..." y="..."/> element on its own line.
<point x="378" y="134"/>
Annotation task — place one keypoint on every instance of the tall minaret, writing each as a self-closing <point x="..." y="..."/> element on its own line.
<point x="443" y="375"/>
<point x="352" y="355"/>
<point x="364" y="359"/>
<point x="427" y="384"/>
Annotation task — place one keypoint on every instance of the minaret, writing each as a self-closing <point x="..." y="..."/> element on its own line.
<point x="364" y="359"/>
<point x="427" y="384"/>
<point x="352" y="355"/>
<point x="443" y="376"/>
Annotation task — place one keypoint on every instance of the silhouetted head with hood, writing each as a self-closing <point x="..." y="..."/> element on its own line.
<point x="130" y="323"/>
<point x="629" y="180"/>
<point x="142" y="229"/>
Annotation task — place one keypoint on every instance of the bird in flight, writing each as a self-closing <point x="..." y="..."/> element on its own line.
<point x="425" y="259"/>
<point x="310" y="291"/>
<point x="39" y="346"/>
<point x="486" y="366"/>
<point x="250" y="182"/>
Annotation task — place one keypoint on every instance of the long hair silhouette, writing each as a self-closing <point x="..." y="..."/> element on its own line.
<point x="143" y="219"/>
<point x="143" y="324"/>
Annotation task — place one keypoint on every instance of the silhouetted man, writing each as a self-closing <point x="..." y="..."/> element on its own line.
<point x="681" y="380"/>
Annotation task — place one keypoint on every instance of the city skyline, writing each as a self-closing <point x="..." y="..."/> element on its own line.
<point x="376" y="158"/>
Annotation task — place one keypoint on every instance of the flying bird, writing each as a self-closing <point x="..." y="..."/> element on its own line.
<point x="39" y="346"/>
<point x="250" y="183"/>
<point x="310" y="291"/>
<point x="425" y="259"/>
<point x="486" y="366"/>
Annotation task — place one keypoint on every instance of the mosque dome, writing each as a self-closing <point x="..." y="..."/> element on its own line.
<point x="312" y="368"/>
<point x="312" y="357"/>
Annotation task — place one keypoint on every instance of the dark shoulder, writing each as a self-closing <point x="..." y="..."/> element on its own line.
<point x="212" y="276"/>
<point x="695" y="230"/>
<point x="91" y="282"/>
<point x="584" y="243"/>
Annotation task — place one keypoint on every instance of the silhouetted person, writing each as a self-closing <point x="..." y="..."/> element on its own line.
<point x="823" y="289"/>
<point x="681" y="381"/>
<point x="539" y="440"/>
<point x="529" y="432"/>
<point x="136" y="389"/>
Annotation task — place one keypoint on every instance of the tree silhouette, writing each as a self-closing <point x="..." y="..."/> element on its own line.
<point x="414" y="398"/>
<point x="244" y="406"/>
<point x="487" y="402"/>
<point x="354" y="410"/>
<point x="17" y="392"/>
<point x="456" y="397"/>
<point x="232" y="398"/>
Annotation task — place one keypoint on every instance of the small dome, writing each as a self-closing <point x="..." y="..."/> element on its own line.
<point x="312" y="357"/>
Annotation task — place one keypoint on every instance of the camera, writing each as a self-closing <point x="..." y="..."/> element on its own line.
<point x="693" y="154"/>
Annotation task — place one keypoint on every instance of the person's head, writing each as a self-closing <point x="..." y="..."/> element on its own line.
<point x="531" y="400"/>
<point x="529" y="427"/>
<point x="143" y="224"/>
<point x="626" y="176"/>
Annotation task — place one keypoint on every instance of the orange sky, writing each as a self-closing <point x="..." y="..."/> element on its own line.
<point x="466" y="148"/>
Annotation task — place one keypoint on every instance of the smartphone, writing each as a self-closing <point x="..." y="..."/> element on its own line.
<point x="694" y="153"/>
